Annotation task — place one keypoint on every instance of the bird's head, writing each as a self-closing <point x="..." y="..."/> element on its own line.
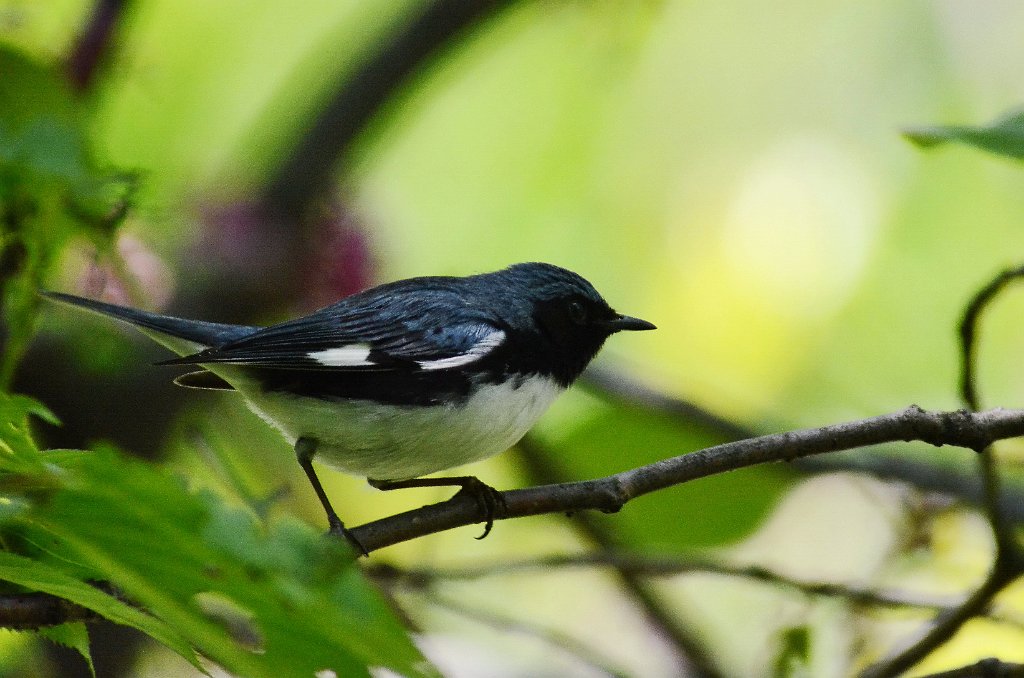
<point x="560" y="315"/>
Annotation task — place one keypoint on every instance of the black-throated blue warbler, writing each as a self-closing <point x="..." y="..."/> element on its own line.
<point x="405" y="379"/>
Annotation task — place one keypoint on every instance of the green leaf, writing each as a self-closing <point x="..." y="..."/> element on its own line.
<point x="19" y="407"/>
<point x="18" y="452"/>
<point x="290" y="601"/>
<point x="284" y="602"/>
<point x="1005" y="136"/>
<point x="707" y="512"/>
<point x="37" y="576"/>
<point x="73" y="635"/>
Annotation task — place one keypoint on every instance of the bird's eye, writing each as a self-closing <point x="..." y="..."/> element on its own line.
<point x="577" y="313"/>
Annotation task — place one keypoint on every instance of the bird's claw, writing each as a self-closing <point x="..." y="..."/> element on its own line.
<point x="490" y="501"/>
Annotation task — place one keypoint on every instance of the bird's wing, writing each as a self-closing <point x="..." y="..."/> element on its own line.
<point x="364" y="338"/>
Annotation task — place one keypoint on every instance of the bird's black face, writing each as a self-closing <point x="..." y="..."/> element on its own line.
<point x="555" y="320"/>
<point x="575" y="323"/>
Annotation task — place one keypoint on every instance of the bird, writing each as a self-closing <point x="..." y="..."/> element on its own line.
<point x="405" y="379"/>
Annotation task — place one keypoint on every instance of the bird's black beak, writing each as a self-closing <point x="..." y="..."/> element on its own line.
<point x="625" y="322"/>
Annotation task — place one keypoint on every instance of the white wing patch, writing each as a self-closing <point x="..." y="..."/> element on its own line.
<point x="351" y="355"/>
<point x="477" y="351"/>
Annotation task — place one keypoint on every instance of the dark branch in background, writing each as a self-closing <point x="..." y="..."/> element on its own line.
<point x="305" y="177"/>
<point x="660" y="566"/>
<point x="691" y="656"/>
<point x="986" y="668"/>
<point x="94" y="42"/>
<point x="253" y="247"/>
<point x="980" y="489"/>
<point x="945" y="626"/>
<point x="550" y="636"/>
<point x="1006" y="544"/>
<point x="624" y="388"/>
<point x="971" y="430"/>
<point x="36" y="610"/>
<point x="956" y="482"/>
<point x="968" y="332"/>
<point x="32" y="611"/>
<point x="1008" y="565"/>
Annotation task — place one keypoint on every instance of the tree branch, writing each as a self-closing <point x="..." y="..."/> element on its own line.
<point x="36" y="610"/>
<point x="969" y="332"/>
<point x="93" y="44"/>
<point x="609" y="494"/>
<point x="958" y="428"/>
<point x="959" y="482"/>
<point x="305" y="175"/>
<point x="1008" y="550"/>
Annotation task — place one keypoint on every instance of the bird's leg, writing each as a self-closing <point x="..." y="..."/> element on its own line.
<point x="487" y="498"/>
<point x="305" y="448"/>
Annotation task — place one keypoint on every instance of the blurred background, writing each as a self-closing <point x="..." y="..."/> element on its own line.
<point x="733" y="172"/>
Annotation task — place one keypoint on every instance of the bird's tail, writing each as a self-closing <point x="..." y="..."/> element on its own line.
<point x="178" y="334"/>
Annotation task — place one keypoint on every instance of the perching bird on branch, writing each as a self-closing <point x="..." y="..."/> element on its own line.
<point x="405" y="379"/>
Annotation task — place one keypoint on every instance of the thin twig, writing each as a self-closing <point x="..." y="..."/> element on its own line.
<point x="956" y="481"/>
<point x="609" y="494"/>
<point x="664" y="566"/>
<point x="944" y="628"/>
<point x="968" y="332"/>
<point x="1007" y="547"/>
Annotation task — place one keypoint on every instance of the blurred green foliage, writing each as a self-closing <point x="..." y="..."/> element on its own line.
<point x="51" y="189"/>
<point x="282" y="601"/>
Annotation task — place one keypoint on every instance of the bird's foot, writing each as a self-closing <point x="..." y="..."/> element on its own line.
<point x="489" y="500"/>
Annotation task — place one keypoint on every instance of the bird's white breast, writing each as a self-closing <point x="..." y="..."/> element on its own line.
<point x="392" y="442"/>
